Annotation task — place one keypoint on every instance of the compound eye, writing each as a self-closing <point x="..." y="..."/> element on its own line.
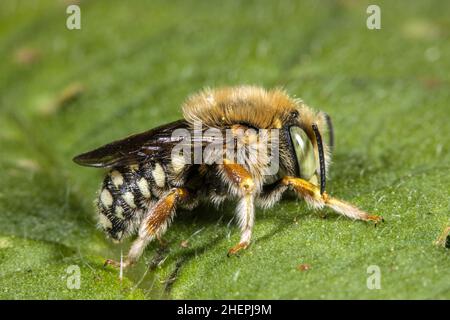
<point x="304" y="151"/>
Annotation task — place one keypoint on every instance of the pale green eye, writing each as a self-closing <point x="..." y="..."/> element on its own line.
<point x="304" y="152"/>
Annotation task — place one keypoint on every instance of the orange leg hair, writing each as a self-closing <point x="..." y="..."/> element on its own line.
<point x="153" y="225"/>
<point x="311" y="194"/>
<point x="244" y="185"/>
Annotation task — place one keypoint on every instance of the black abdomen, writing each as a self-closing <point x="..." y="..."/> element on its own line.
<point x="126" y="194"/>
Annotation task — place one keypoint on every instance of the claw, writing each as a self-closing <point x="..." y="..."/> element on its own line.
<point x="112" y="263"/>
<point x="237" y="248"/>
<point x="116" y="264"/>
<point x="375" y="218"/>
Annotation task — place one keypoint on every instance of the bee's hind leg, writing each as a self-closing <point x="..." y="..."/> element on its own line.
<point x="154" y="224"/>
<point x="311" y="194"/>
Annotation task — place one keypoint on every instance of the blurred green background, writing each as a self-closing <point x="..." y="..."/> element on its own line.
<point x="130" y="67"/>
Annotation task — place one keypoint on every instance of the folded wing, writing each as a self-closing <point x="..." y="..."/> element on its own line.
<point x="145" y="146"/>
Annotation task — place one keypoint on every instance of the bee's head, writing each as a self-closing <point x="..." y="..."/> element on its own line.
<point x="311" y="140"/>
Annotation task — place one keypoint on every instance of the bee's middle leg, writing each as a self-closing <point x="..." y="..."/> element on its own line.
<point x="154" y="225"/>
<point x="245" y="212"/>
<point x="244" y="185"/>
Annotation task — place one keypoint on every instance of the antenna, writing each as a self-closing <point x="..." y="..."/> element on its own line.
<point x="321" y="158"/>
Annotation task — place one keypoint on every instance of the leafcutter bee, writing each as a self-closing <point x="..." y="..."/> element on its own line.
<point x="244" y="144"/>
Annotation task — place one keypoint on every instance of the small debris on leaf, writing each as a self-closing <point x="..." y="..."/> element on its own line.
<point x="26" y="56"/>
<point x="304" y="267"/>
<point x="28" y="164"/>
<point x="184" y="244"/>
<point x="68" y="95"/>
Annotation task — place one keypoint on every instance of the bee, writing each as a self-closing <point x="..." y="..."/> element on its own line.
<point x="147" y="182"/>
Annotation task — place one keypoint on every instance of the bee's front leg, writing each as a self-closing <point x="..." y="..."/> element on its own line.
<point x="153" y="225"/>
<point x="243" y="186"/>
<point x="311" y="194"/>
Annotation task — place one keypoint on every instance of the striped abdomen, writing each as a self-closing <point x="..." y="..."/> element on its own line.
<point x="126" y="194"/>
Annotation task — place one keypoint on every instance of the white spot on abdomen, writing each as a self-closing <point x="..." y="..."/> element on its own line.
<point x="178" y="163"/>
<point x="106" y="198"/>
<point x="119" y="212"/>
<point x="159" y="175"/>
<point x="134" y="167"/>
<point x="117" y="178"/>
<point x="129" y="199"/>
<point x="143" y="187"/>
<point x="104" y="221"/>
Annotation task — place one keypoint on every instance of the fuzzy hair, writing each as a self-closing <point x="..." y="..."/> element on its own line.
<point x="227" y="106"/>
<point x="257" y="107"/>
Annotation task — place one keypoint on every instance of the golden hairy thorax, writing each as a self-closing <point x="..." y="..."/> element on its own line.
<point x="256" y="106"/>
